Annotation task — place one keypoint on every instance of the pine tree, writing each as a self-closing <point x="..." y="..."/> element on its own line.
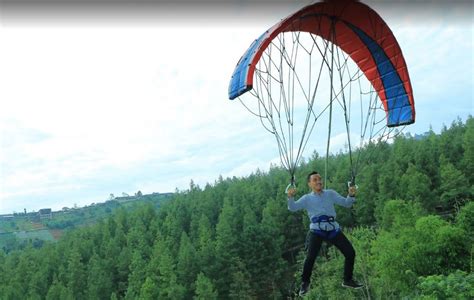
<point x="77" y="276"/>
<point x="186" y="265"/>
<point x="123" y="270"/>
<point x="416" y="186"/>
<point x="468" y="147"/>
<point x="226" y="246"/>
<point x="205" y="289"/>
<point x="137" y="275"/>
<point x="454" y="187"/>
<point x="57" y="291"/>
<point x="162" y="272"/>
<point x="149" y="289"/>
<point x="99" y="281"/>
<point x="240" y="286"/>
<point x="206" y="249"/>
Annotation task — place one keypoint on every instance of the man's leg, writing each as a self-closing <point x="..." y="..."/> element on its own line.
<point x="345" y="246"/>
<point x="314" y="244"/>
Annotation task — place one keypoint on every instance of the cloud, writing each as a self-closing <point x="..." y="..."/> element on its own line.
<point x="99" y="108"/>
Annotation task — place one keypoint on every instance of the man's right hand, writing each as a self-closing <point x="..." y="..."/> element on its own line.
<point x="291" y="192"/>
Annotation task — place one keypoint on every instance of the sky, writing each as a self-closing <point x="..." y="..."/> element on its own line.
<point x="100" y="98"/>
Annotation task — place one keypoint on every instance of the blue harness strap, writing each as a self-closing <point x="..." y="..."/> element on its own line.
<point x="328" y="234"/>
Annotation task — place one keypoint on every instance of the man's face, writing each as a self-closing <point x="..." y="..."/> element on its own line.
<point x="315" y="183"/>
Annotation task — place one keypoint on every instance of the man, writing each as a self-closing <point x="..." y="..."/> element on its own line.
<point x="320" y="207"/>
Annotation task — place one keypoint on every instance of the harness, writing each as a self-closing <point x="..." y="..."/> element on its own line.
<point x="328" y="234"/>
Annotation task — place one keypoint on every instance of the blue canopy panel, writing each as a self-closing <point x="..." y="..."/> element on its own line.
<point x="399" y="109"/>
<point x="238" y="83"/>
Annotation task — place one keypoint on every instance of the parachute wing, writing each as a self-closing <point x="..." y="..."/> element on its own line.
<point x="362" y="34"/>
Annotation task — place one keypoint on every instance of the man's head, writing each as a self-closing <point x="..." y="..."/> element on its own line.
<point x="315" y="182"/>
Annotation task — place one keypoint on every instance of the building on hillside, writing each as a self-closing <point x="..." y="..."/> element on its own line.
<point x="45" y="213"/>
<point x="6" y="217"/>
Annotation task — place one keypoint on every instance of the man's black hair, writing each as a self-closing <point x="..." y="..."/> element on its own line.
<point x="311" y="174"/>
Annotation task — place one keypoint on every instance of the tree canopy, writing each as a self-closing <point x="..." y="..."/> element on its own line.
<point x="411" y="227"/>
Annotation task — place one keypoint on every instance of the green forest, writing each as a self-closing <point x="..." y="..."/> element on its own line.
<point x="24" y="229"/>
<point x="412" y="227"/>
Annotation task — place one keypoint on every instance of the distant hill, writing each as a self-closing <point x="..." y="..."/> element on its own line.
<point x="16" y="230"/>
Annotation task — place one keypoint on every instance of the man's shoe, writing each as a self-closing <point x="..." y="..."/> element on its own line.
<point x="352" y="284"/>
<point x="304" y="288"/>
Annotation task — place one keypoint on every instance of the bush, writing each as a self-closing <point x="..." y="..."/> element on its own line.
<point x="457" y="285"/>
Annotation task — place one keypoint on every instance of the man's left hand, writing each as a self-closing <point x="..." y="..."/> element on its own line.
<point x="352" y="191"/>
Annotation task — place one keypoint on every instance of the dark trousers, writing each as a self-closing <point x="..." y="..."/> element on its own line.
<point x="314" y="245"/>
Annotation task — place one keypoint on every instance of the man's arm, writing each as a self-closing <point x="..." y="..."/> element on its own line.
<point x="339" y="200"/>
<point x="295" y="205"/>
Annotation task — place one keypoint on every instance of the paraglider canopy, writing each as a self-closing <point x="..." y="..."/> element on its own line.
<point x="334" y="54"/>
<point x="361" y="33"/>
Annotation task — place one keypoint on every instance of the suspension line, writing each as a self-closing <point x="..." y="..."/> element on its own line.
<point x="331" y="72"/>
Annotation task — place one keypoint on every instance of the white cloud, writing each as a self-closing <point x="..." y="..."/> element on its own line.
<point x="93" y="110"/>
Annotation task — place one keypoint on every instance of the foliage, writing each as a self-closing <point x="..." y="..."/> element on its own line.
<point x="411" y="227"/>
<point x="428" y="246"/>
<point x="457" y="285"/>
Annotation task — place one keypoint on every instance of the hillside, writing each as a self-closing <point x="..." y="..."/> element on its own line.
<point x="236" y="239"/>
<point x="19" y="229"/>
